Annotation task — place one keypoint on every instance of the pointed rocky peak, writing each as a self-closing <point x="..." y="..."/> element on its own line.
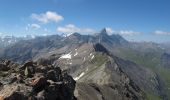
<point x="103" y="32"/>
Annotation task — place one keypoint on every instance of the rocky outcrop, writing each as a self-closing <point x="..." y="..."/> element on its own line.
<point x="50" y="84"/>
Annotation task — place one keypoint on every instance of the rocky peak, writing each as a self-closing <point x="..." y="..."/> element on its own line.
<point x="103" y="32"/>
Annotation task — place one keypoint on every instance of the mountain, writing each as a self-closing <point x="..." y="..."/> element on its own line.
<point x="49" y="83"/>
<point x="26" y="49"/>
<point x="112" y="39"/>
<point x="9" y="40"/>
<point x="90" y="61"/>
<point x="102" y="63"/>
<point x="31" y="48"/>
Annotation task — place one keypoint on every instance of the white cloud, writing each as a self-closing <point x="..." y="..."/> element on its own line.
<point x="35" y="26"/>
<point x="159" y="32"/>
<point x="70" y="28"/>
<point x="122" y="32"/>
<point x="109" y="30"/>
<point x="1" y="34"/>
<point x="128" y="32"/>
<point x="47" y="17"/>
<point x="32" y="26"/>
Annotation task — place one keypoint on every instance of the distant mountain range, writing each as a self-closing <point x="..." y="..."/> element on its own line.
<point x="105" y="67"/>
<point x="9" y="40"/>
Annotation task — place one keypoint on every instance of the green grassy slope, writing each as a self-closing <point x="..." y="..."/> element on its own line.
<point x="150" y="60"/>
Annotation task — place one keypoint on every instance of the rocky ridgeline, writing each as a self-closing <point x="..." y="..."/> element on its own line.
<point x="34" y="81"/>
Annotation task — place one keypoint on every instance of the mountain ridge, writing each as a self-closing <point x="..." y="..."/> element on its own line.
<point x="84" y="55"/>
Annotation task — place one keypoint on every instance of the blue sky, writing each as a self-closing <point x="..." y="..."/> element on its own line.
<point x="139" y="20"/>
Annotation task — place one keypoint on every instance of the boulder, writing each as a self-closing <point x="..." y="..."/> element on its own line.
<point x="20" y="78"/>
<point x="29" y="63"/>
<point x="51" y="75"/>
<point x="4" y="67"/>
<point x="16" y="96"/>
<point x="41" y="95"/>
<point x="58" y="73"/>
<point x="38" y="84"/>
<point x="42" y="69"/>
<point x="29" y="71"/>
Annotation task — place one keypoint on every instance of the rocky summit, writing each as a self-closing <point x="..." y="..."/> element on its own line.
<point x="34" y="82"/>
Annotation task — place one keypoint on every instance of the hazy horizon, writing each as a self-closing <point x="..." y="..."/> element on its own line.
<point x="146" y="20"/>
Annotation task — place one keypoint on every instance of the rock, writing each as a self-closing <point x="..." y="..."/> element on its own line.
<point x="5" y="62"/>
<point x="4" y="67"/>
<point x="58" y="74"/>
<point x="14" y="90"/>
<point x="41" y="95"/>
<point x="20" y="78"/>
<point x="69" y="85"/>
<point x="14" y="79"/>
<point x="42" y="69"/>
<point x="39" y="83"/>
<point x="29" y="71"/>
<point x="16" y="96"/>
<point x="1" y="84"/>
<point x="51" y="75"/>
<point x="32" y="83"/>
<point x="29" y="63"/>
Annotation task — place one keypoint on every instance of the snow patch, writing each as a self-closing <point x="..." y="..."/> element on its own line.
<point x="76" y="78"/>
<point x="9" y="41"/>
<point x="76" y="54"/>
<point x="49" y="52"/>
<point x="70" y="63"/>
<point x="90" y="54"/>
<point x="66" y="56"/>
<point x="92" y="57"/>
<point x="84" y="58"/>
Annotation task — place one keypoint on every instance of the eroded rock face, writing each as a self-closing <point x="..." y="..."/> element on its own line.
<point x="33" y="84"/>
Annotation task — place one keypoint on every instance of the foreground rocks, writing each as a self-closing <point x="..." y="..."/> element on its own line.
<point x="35" y="82"/>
